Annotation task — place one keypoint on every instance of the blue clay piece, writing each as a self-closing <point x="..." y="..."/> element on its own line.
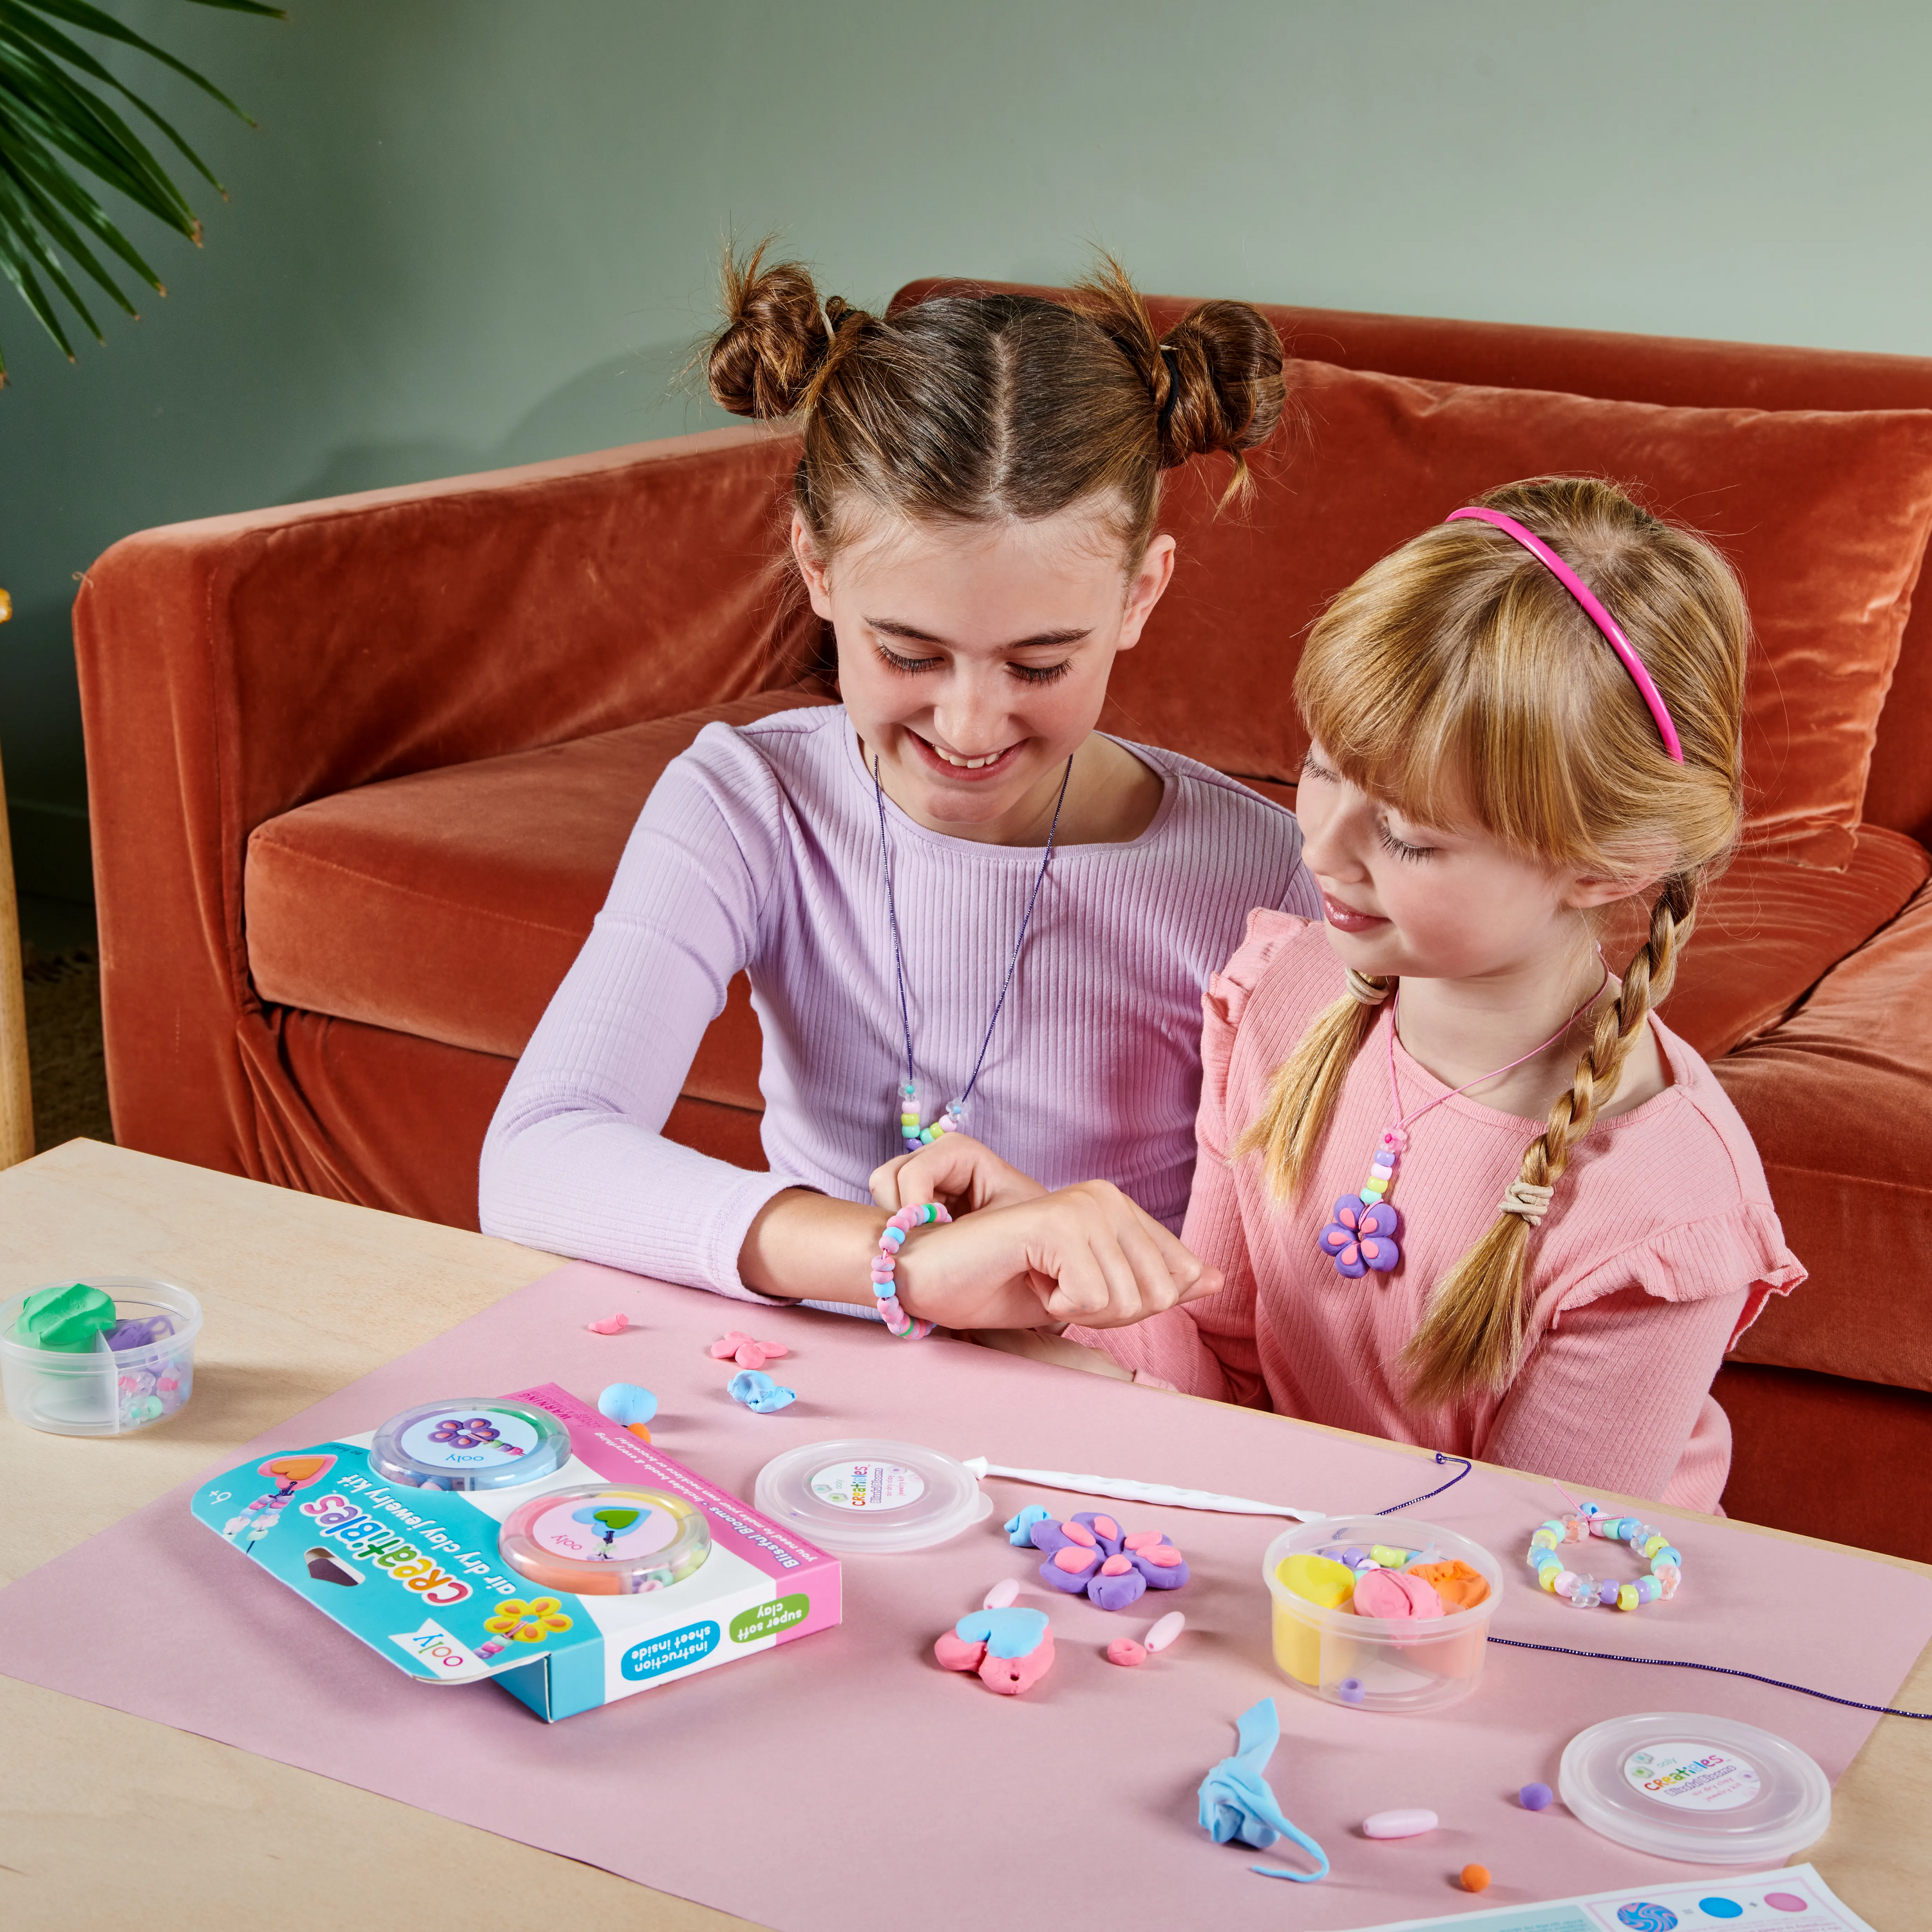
<point x="1019" y="1529"/>
<point x="1007" y="1633"/>
<point x="624" y="1403"/>
<point x="1536" y="1797"/>
<point x="1236" y="1801"/>
<point x="757" y="1390"/>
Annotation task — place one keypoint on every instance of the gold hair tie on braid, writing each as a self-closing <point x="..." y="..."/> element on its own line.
<point x="1526" y="1199"/>
<point x="1369" y="992"/>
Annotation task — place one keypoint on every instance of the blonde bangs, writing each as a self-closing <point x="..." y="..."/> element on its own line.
<point x="1459" y="684"/>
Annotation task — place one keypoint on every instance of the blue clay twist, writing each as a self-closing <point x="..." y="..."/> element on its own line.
<point x="1019" y="1529"/>
<point x="757" y="1390"/>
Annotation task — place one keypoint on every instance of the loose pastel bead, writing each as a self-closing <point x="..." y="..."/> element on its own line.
<point x="1389" y="1559"/>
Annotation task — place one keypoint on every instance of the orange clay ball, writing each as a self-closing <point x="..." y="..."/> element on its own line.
<point x="1475" y="1878"/>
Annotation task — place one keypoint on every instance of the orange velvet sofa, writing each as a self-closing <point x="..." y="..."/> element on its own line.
<point x="360" y="772"/>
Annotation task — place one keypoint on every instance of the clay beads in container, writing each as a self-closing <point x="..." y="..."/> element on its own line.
<point x="1380" y="1613"/>
<point x="469" y="1443"/>
<point x="107" y="1356"/>
<point x="606" y="1540"/>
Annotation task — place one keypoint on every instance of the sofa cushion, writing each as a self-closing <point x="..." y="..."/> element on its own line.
<point x="448" y="905"/>
<point x="1768" y="931"/>
<point x="1825" y="514"/>
<point x="1839" y="1099"/>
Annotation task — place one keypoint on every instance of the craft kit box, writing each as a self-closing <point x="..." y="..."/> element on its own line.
<point x="417" y="1573"/>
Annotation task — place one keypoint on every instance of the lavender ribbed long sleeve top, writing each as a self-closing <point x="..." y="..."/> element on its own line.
<point x="759" y="850"/>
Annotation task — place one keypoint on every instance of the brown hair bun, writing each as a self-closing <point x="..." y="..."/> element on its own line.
<point x="1226" y="361"/>
<point x="777" y="339"/>
<point x="1215" y="381"/>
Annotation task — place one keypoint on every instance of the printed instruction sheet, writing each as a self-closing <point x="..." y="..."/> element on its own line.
<point x="1794" y="1899"/>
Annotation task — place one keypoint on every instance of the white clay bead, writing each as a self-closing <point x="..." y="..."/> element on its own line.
<point x="1164" y="1632"/>
<point x="1399" y="1824"/>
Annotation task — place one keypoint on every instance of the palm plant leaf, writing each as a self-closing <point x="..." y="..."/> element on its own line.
<point x="55" y="119"/>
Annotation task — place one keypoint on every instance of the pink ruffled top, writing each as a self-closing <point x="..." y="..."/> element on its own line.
<point x="1659" y="1250"/>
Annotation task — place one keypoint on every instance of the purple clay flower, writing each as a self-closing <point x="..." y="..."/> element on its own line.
<point x="1361" y="1237"/>
<point x="1092" y="1553"/>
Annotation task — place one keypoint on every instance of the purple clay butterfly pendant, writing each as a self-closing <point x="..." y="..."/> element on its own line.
<point x="1361" y="1237"/>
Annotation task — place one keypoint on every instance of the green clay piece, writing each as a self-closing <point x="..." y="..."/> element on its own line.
<point x="66" y="1319"/>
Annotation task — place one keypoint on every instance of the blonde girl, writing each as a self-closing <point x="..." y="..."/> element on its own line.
<point x="1465" y="1188"/>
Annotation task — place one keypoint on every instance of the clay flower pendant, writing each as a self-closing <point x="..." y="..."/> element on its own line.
<point x="1362" y="1237"/>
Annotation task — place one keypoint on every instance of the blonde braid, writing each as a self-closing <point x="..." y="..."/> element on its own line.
<point x="1471" y="1337"/>
<point x="1287" y="1131"/>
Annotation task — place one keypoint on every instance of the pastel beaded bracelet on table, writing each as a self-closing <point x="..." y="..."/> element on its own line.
<point x="885" y="1269"/>
<point x="1581" y="1591"/>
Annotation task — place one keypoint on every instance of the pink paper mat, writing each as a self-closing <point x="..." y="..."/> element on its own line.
<point x="846" y="1782"/>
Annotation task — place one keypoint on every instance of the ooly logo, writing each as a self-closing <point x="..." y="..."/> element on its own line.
<point x="433" y="1647"/>
<point x="671" y="1651"/>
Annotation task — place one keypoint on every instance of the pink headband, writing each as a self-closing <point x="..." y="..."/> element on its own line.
<point x="1592" y="608"/>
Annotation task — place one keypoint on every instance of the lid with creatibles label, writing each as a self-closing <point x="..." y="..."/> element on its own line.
<point x="1682" y="1785"/>
<point x="471" y="1443"/>
<point x="858" y="1496"/>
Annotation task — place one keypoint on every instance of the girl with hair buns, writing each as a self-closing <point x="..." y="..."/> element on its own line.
<point x="1466" y="1189"/>
<point x="957" y="901"/>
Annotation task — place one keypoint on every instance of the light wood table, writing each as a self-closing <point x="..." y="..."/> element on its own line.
<point x="109" y="1819"/>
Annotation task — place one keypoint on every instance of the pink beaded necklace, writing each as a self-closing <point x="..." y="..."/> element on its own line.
<point x="1363" y="1234"/>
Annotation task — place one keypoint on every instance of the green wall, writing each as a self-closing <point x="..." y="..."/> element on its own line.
<point x="471" y="232"/>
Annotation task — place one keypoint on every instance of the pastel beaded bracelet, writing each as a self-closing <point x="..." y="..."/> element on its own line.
<point x="885" y="1268"/>
<point x="1579" y="1589"/>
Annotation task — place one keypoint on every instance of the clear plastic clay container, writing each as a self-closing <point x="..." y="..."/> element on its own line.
<point x="105" y="1391"/>
<point x="1676" y="1784"/>
<point x="470" y="1442"/>
<point x="1380" y="1663"/>
<point x="867" y="1496"/>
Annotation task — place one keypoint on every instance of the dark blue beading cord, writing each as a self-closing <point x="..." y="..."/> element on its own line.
<point x="1019" y="938"/>
<point x="1668" y="1663"/>
<point x="1717" y="1669"/>
<point x="1397" y="1509"/>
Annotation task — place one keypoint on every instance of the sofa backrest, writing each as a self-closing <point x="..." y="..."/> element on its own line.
<point x="1674" y="371"/>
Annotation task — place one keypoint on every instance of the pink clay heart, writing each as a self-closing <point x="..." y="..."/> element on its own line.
<point x="1077" y="1532"/>
<point x="1143" y="1539"/>
<point x="1075" y="1562"/>
<point x="1115" y="1566"/>
<point x="1010" y="1675"/>
<point x="1106" y="1525"/>
<point x="954" y="1653"/>
<point x="1162" y="1555"/>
